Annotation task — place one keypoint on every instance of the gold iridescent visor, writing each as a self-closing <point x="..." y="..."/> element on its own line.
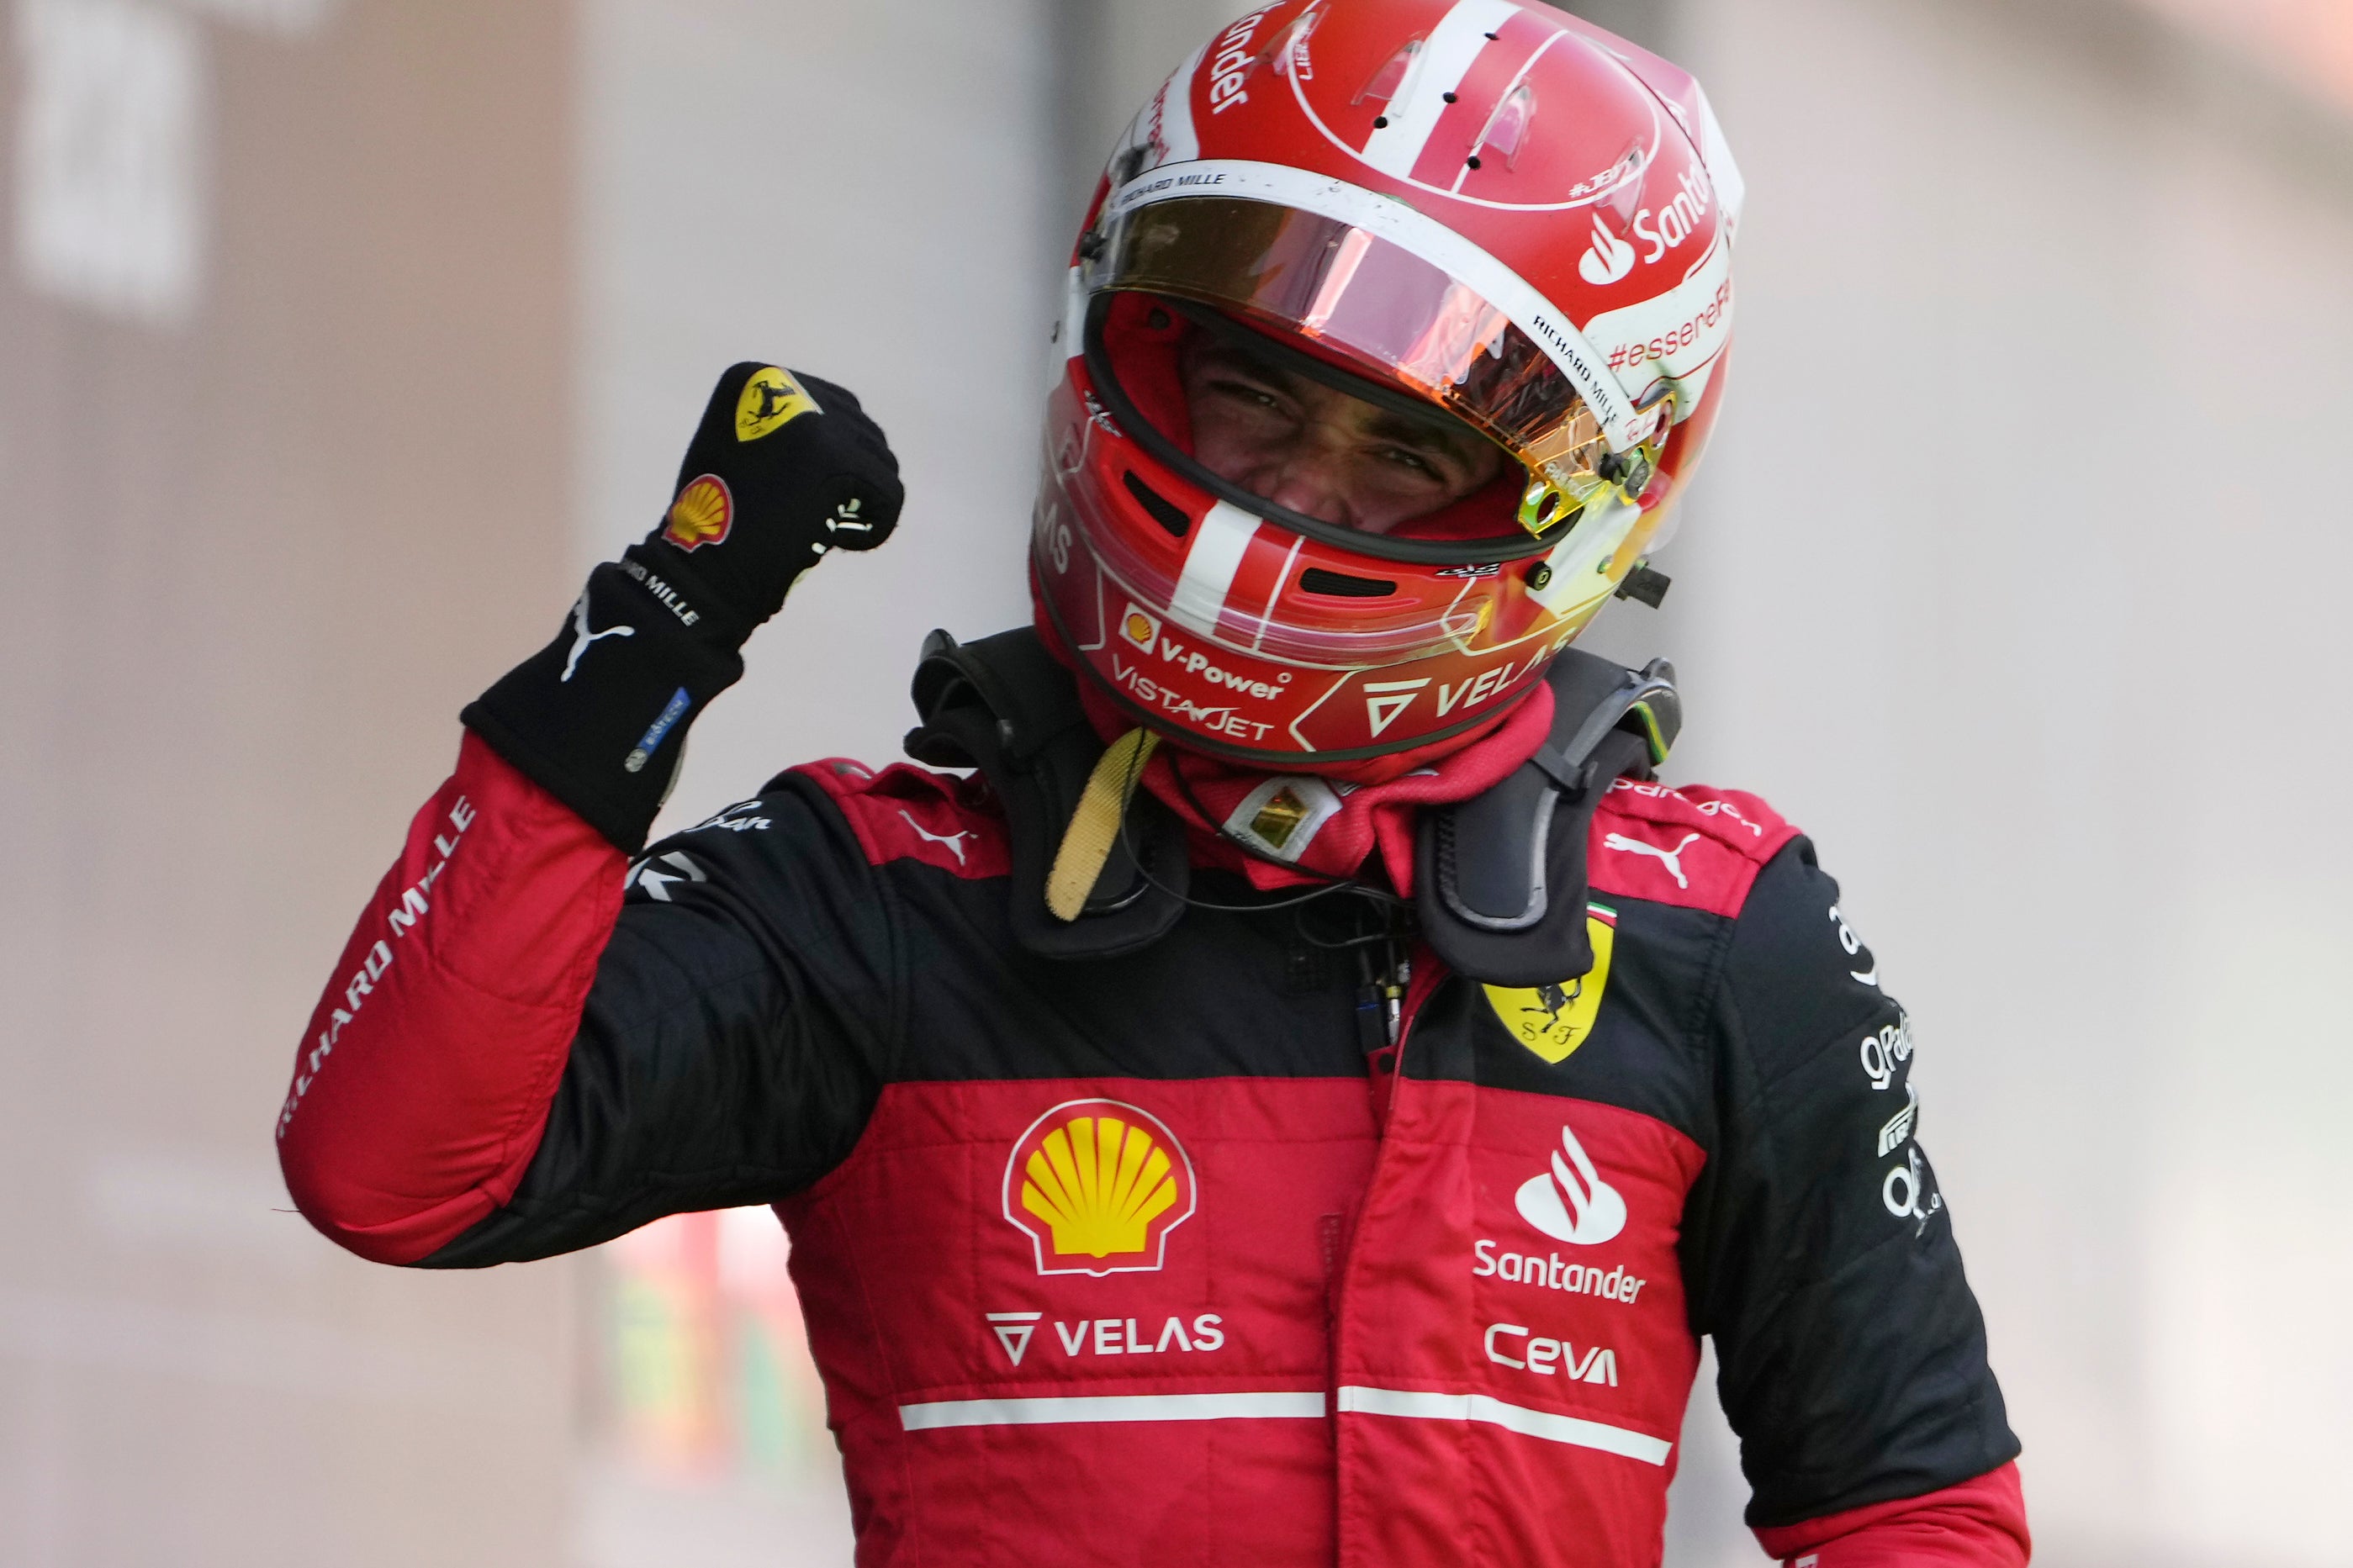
<point x="1383" y="307"/>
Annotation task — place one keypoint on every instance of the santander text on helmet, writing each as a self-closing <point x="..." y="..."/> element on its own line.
<point x="1229" y="65"/>
<point x="1611" y="258"/>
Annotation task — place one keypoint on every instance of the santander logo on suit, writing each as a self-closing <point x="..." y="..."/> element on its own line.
<point x="1571" y="1203"/>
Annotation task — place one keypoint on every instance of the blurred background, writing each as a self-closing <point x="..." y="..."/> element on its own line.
<point x="338" y="337"/>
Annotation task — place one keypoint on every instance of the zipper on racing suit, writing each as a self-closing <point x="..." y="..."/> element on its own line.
<point x="1393" y="987"/>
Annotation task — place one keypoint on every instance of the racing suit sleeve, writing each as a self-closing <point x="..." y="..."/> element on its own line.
<point x="532" y="1045"/>
<point x="1852" y="1351"/>
<point x="1976" y="1522"/>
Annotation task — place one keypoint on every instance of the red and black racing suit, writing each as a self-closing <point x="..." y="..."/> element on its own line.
<point x="1245" y="1309"/>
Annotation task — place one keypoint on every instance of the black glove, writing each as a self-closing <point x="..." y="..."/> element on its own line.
<point x="783" y="468"/>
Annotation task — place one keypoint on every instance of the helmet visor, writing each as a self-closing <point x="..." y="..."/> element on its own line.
<point x="1374" y="305"/>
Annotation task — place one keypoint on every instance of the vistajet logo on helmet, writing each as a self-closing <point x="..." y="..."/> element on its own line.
<point x="1485" y="221"/>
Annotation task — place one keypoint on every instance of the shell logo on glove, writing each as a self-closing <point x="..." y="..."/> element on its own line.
<point x="702" y="514"/>
<point x="1097" y="1186"/>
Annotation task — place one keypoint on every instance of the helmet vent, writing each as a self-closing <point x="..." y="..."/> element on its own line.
<point x="1164" y="512"/>
<point x="1339" y="585"/>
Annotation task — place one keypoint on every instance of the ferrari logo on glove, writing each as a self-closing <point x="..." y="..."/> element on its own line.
<point x="771" y="400"/>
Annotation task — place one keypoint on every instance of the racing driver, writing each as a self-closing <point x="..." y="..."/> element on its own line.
<point x="1284" y="1082"/>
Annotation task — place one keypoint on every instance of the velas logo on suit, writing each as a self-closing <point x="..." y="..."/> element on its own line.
<point x="1097" y="1185"/>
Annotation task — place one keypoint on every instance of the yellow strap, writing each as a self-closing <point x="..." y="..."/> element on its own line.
<point x="1095" y="827"/>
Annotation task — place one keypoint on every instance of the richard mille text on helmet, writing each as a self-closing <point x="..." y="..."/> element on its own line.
<point x="1281" y="1080"/>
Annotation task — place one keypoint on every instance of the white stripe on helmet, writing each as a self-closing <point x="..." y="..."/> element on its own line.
<point x="1438" y="69"/>
<point x="1220" y="542"/>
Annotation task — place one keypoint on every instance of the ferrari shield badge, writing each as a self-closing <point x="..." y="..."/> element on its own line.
<point x="1553" y="1020"/>
<point x="771" y="400"/>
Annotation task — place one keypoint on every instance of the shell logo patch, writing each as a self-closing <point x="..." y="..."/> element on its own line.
<point x="1553" y="1020"/>
<point x="771" y="400"/>
<point x="702" y="514"/>
<point x="1097" y="1186"/>
<point x="1141" y="631"/>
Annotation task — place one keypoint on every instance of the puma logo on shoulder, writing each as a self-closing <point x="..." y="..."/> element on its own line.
<point x="955" y="841"/>
<point x="1670" y="858"/>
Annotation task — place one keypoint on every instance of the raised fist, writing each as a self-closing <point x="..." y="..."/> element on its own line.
<point x="783" y="468"/>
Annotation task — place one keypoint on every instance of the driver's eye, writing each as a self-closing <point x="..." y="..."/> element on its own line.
<point x="1248" y="392"/>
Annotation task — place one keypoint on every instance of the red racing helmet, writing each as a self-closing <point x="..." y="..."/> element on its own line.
<point x="1485" y="211"/>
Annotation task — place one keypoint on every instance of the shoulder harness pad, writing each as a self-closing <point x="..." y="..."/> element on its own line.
<point x="1500" y="878"/>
